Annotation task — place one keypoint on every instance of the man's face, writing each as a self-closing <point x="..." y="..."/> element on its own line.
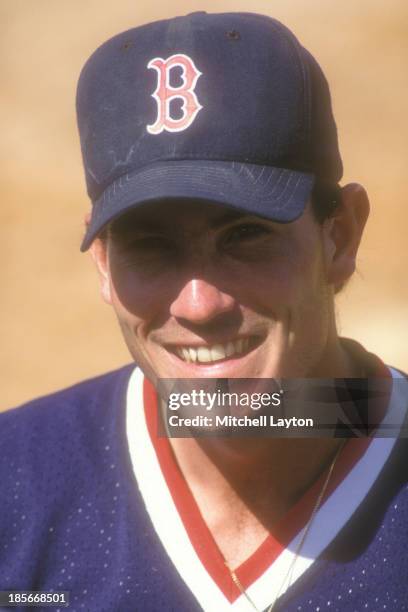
<point x="204" y="291"/>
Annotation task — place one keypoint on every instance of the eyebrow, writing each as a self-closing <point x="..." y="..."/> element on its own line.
<point x="229" y="217"/>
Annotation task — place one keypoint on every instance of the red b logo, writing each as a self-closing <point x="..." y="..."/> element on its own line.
<point x="164" y="93"/>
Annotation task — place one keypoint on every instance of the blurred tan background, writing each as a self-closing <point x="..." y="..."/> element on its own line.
<point x="54" y="328"/>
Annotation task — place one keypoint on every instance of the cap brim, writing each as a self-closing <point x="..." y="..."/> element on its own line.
<point x="278" y="194"/>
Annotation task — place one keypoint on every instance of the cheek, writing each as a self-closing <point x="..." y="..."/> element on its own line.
<point x="137" y="297"/>
<point x="137" y="312"/>
<point x="308" y="294"/>
<point x="308" y="318"/>
<point x="289" y="282"/>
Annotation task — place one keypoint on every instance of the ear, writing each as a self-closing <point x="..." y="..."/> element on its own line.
<point x="342" y="234"/>
<point x="99" y="254"/>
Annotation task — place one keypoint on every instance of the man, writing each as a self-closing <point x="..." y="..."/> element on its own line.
<point x="221" y="237"/>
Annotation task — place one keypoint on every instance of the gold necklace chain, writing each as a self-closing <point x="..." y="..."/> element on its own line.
<point x="289" y="573"/>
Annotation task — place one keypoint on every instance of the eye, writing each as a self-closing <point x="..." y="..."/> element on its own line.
<point x="147" y="248"/>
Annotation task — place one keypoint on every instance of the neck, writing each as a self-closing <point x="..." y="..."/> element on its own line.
<point x="250" y="466"/>
<point x="336" y="362"/>
<point x="243" y="488"/>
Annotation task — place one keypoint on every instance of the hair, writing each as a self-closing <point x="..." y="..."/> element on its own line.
<point x="326" y="199"/>
<point x="103" y="234"/>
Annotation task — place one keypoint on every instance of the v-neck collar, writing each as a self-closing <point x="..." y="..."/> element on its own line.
<point x="187" y="539"/>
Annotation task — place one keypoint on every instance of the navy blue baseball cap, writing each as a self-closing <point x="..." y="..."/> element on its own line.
<point x="227" y="108"/>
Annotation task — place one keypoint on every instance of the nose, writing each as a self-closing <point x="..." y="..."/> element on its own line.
<point x="200" y="301"/>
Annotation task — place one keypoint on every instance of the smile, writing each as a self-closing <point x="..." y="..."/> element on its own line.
<point x="215" y="352"/>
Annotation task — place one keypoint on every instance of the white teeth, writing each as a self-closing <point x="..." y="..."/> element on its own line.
<point x="217" y="352"/>
<point x="193" y="354"/>
<point x="203" y="354"/>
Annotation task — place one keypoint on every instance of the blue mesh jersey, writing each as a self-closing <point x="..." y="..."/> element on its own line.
<point x="72" y="518"/>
